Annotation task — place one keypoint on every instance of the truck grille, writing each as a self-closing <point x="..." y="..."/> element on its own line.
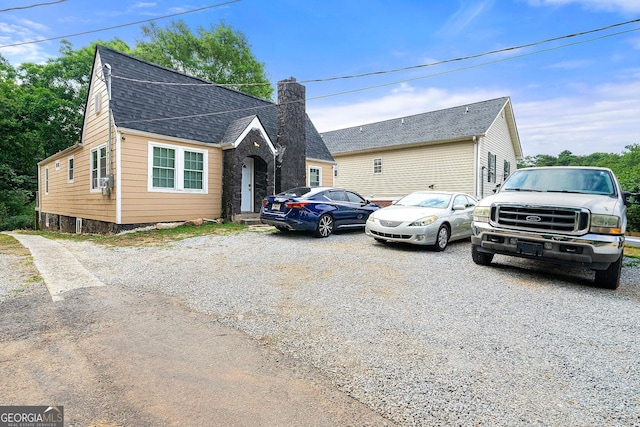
<point x="536" y="218"/>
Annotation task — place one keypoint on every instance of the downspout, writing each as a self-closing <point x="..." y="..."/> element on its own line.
<point x="107" y="69"/>
<point x="475" y="166"/>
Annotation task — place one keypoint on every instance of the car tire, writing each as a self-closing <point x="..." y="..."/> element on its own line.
<point x="480" y="258"/>
<point x="325" y="226"/>
<point x="609" y="278"/>
<point x="442" y="238"/>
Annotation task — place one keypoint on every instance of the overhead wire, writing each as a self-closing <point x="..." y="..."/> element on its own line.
<point x="121" y="25"/>
<point x="32" y="6"/>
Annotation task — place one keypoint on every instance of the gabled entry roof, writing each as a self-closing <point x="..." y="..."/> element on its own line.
<point x="155" y="99"/>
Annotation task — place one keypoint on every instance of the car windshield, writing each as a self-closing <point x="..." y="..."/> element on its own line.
<point x="425" y="200"/>
<point x="561" y="180"/>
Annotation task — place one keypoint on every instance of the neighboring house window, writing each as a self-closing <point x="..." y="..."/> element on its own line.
<point x="377" y="165"/>
<point x="174" y="168"/>
<point x="315" y="177"/>
<point x="507" y="169"/>
<point x="70" y="170"/>
<point x="46" y="180"/>
<point x="98" y="166"/>
<point x="492" y="168"/>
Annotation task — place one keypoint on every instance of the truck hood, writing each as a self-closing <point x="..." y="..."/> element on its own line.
<point x="596" y="203"/>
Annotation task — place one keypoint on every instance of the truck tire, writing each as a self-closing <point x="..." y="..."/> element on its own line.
<point x="610" y="278"/>
<point x="480" y="258"/>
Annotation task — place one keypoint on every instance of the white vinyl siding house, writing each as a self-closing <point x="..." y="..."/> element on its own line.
<point x="447" y="150"/>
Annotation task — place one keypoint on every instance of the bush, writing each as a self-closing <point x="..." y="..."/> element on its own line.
<point x="18" y="222"/>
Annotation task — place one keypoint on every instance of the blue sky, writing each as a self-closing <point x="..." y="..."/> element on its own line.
<point x="580" y="94"/>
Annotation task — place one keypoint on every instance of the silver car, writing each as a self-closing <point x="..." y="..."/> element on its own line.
<point x="424" y="218"/>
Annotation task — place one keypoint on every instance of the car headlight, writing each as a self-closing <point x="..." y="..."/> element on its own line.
<point x="370" y="218"/>
<point x="423" y="221"/>
<point x="481" y="213"/>
<point x="605" y="224"/>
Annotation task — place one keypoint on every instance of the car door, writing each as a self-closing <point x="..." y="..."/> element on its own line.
<point x="362" y="209"/>
<point x="343" y="211"/>
<point x="461" y="219"/>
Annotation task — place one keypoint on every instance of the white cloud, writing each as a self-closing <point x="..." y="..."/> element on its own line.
<point x="599" y="5"/>
<point x="604" y="119"/>
<point x="465" y="15"/>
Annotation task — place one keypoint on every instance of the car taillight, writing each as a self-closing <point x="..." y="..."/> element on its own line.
<point x="265" y="202"/>
<point x="296" y="205"/>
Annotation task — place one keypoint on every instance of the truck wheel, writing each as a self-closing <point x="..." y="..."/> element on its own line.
<point x="480" y="258"/>
<point x="610" y="278"/>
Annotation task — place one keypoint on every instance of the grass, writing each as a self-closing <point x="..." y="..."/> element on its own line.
<point x="632" y="251"/>
<point x="150" y="237"/>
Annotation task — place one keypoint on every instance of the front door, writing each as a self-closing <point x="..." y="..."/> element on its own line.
<point x="246" y="204"/>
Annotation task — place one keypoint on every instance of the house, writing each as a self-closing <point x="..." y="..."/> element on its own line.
<point x="158" y="146"/>
<point x="470" y="148"/>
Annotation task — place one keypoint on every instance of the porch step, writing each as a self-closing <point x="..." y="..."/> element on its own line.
<point x="249" y="219"/>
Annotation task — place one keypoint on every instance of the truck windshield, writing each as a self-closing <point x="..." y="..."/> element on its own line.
<point x="562" y="180"/>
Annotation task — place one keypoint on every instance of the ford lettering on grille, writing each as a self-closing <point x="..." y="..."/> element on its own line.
<point x="533" y="218"/>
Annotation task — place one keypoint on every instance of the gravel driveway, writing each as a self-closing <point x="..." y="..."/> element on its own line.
<point x="424" y="338"/>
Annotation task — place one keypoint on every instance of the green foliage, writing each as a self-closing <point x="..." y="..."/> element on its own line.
<point x="219" y="55"/>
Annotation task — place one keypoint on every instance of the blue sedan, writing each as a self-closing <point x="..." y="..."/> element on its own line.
<point x="318" y="209"/>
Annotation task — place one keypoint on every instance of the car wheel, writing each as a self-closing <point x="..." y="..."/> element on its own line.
<point x="442" y="239"/>
<point x="480" y="258"/>
<point x="325" y="226"/>
<point x="610" y="278"/>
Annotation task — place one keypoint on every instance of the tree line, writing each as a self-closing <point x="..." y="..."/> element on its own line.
<point x="626" y="167"/>
<point x="42" y="105"/>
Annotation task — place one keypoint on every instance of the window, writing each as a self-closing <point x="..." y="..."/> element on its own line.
<point x="98" y="166"/>
<point x="377" y="166"/>
<point x="354" y="198"/>
<point x="507" y="169"/>
<point x="491" y="176"/>
<point x="177" y="169"/>
<point x="97" y="102"/>
<point x="57" y="165"/>
<point x="70" y="170"/>
<point x="315" y="177"/>
<point x="46" y="180"/>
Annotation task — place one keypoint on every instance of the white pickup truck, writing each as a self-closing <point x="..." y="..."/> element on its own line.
<point x="563" y="215"/>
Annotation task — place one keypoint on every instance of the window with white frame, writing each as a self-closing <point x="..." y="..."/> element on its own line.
<point x="377" y="166"/>
<point x="57" y="165"/>
<point x="70" y="170"/>
<point x="177" y="169"/>
<point x="98" y="166"/>
<point x="315" y="176"/>
<point x="46" y="180"/>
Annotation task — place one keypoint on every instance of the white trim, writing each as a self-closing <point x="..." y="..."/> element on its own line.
<point x="179" y="169"/>
<point x="69" y="169"/>
<point x="151" y="136"/>
<point x="319" y="176"/>
<point x="255" y="124"/>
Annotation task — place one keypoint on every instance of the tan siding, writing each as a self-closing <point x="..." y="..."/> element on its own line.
<point x="140" y="205"/>
<point x="326" y="172"/>
<point x="449" y="167"/>
<point x="498" y="142"/>
<point x="75" y="199"/>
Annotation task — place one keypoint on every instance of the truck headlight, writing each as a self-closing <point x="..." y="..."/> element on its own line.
<point x="605" y="224"/>
<point x="481" y="213"/>
<point x="423" y="221"/>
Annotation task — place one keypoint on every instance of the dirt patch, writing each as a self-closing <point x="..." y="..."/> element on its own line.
<point x="113" y="358"/>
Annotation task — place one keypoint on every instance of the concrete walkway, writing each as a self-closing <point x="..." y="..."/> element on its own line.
<point x="60" y="270"/>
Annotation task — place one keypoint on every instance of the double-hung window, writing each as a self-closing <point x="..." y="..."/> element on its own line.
<point x="70" y="170"/>
<point x="177" y="169"/>
<point x="315" y="177"/>
<point x="98" y="166"/>
<point x="491" y="177"/>
<point x="377" y="166"/>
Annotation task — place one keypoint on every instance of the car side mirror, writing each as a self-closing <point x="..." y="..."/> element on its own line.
<point x="627" y="194"/>
<point x="459" y="207"/>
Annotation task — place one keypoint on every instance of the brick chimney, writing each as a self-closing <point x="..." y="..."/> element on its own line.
<point x="292" y="141"/>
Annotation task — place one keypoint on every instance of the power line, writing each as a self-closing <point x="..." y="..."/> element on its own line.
<point x="32" y="6"/>
<point x="122" y="25"/>
<point x="464" y="58"/>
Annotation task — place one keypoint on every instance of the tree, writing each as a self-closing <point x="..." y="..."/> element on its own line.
<point x="219" y="55"/>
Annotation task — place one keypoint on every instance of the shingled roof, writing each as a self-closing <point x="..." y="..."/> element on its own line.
<point x="450" y="124"/>
<point x="187" y="107"/>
